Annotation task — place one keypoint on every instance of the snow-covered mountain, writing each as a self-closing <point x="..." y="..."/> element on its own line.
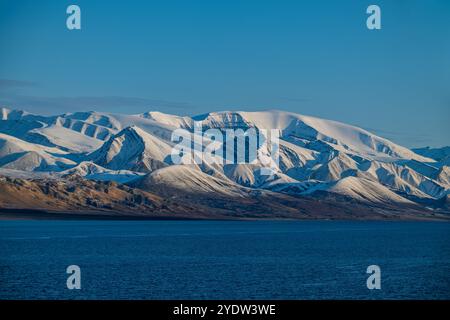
<point x="132" y="149"/>
<point x="21" y="155"/>
<point x="316" y="156"/>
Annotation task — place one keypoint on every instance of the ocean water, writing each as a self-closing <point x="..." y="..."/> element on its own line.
<point x="224" y="259"/>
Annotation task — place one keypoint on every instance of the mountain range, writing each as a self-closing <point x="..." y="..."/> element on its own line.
<point x="114" y="165"/>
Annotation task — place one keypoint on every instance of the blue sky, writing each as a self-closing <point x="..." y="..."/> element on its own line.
<point x="191" y="57"/>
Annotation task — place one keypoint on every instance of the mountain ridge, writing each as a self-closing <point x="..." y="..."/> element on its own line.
<point x="317" y="157"/>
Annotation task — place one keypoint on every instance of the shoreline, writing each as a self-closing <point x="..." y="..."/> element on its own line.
<point x="42" y="215"/>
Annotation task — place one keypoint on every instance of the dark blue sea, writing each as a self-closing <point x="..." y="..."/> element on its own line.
<point x="224" y="259"/>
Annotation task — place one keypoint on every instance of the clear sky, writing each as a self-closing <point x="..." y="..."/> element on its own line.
<point x="189" y="57"/>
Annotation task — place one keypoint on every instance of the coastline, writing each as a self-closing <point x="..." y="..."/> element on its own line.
<point x="35" y="214"/>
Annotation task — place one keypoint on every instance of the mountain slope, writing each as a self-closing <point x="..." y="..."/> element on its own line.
<point x="92" y="171"/>
<point x="132" y="149"/>
<point x="362" y="190"/>
<point x="76" y="196"/>
<point x="311" y="128"/>
<point x="21" y="155"/>
<point x="189" y="179"/>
